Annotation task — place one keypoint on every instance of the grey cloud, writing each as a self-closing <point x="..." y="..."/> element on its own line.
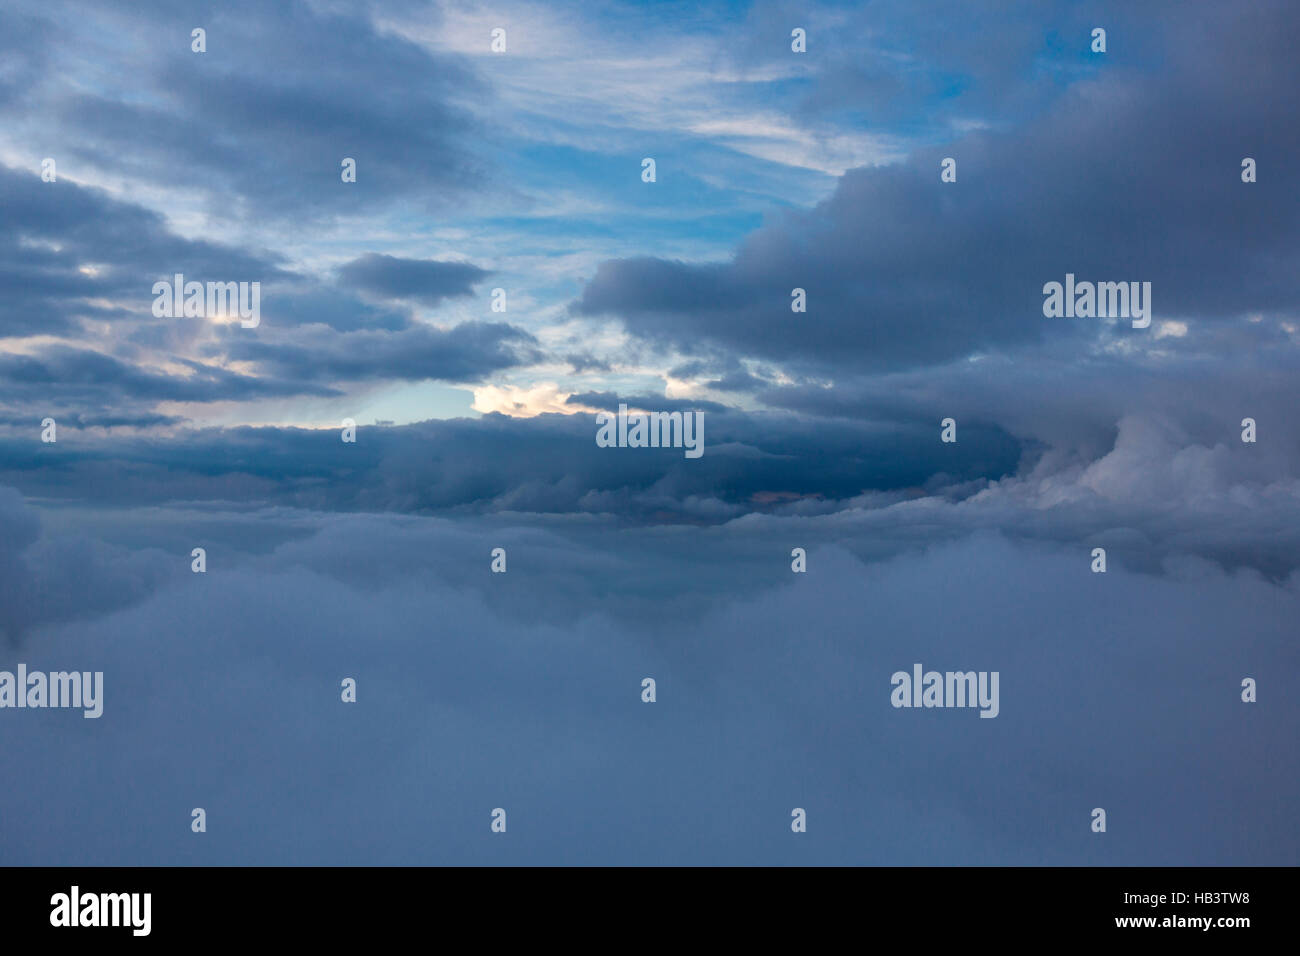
<point x="49" y="232"/>
<point x="45" y="578"/>
<point x="317" y="303"/>
<point x="67" y="249"/>
<point x="418" y="280"/>
<point x="547" y="464"/>
<point x="585" y="362"/>
<point x="1150" y="480"/>
<point x="611" y="400"/>
<point x="61" y="374"/>
<point x="462" y="353"/>
<point x="521" y="690"/>
<point x="261" y="122"/>
<point x="1130" y="175"/>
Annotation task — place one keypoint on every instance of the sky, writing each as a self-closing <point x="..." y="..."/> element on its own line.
<point x="514" y="179"/>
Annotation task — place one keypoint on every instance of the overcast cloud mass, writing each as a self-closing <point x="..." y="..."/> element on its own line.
<point x="498" y="273"/>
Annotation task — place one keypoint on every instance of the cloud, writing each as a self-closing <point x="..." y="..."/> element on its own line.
<point x="609" y="401"/>
<point x="317" y="303"/>
<point x="63" y="577"/>
<point x="1129" y="175"/>
<point x="417" y="280"/>
<point x="522" y="691"/>
<point x="462" y="353"/>
<point x="1150" y="484"/>
<point x="549" y="464"/>
<point x="94" y="374"/>
<point x="260" y="123"/>
<point x="80" y="265"/>
<point x="371" y="560"/>
<point x="24" y="44"/>
<point x="70" y="254"/>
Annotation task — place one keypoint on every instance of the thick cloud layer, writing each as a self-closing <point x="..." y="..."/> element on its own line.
<point x="521" y="690"/>
<point x="1154" y="480"/>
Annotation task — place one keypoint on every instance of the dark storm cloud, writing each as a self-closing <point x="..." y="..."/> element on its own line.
<point x="417" y="280"/>
<point x="263" y="119"/>
<point x="1043" y="453"/>
<point x="1132" y="175"/>
<point x="547" y="464"/>
<point x="1074" y="403"/>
